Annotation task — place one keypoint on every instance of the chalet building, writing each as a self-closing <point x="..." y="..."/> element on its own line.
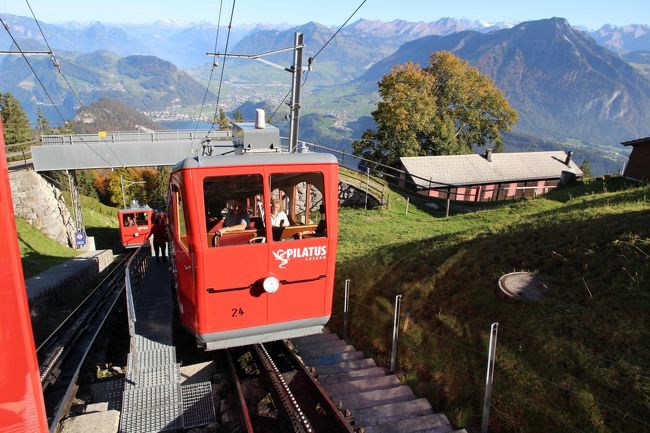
<point x="490" y="176"/>
<point x="638" y="164"/>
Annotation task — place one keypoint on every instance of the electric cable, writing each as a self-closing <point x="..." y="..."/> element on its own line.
<point x="56" y="108"/>
<point x="57" y="65"/>
<point x="223" y="68"/>
<point x="311" y="59"/>
<point x="214" y="65"/>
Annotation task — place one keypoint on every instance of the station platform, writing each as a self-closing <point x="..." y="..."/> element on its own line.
<point x="153" y="397"/>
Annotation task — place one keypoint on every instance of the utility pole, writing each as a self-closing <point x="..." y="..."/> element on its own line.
<point x="296" y="72"/>
<point x="123" y="195"/>
<point x="296" y="78"/>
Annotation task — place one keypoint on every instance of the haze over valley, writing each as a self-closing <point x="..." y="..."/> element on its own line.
<point x="587" y="90"/>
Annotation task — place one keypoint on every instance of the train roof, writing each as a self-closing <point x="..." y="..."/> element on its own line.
<point x="135" y="209"/>
<point x="256" y="158"/>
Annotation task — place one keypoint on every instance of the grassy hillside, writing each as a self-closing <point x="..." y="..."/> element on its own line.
<point x="101" y="222"/>
<point x="38" y="252"/>
<point x="575" y="361"/>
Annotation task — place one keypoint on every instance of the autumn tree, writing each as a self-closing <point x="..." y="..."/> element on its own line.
<point x="443" y="109"/>
<point x="237" y="116"/>
<point x="14" y="120"/>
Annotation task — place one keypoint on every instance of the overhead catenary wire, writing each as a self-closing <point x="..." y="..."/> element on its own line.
<point x="223" y="68"/>
<point x="214" y="65"/>
<point x="57" y="65"/>
<point x="40" y="82"/>
<point x="311" y="59"/>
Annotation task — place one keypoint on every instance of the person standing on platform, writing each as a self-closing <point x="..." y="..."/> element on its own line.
<point x="159" y="233"/>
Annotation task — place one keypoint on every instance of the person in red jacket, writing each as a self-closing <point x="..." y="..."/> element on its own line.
<point x="159" y="233"/>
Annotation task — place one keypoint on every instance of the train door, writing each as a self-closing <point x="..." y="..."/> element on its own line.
<point x="236" y="250"/>
<point x="299" y="250"/>
<point x="183" y="259"/>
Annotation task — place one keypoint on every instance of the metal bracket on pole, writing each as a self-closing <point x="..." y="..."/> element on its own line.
<point x="346" y="309"/>
<point x="296" y="78"/>
<point x="393" y="353"/>
<point x="489" y="376"/>
<point x="296" y="75"/>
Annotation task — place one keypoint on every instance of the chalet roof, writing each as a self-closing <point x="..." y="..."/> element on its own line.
<point x="459" y="170"/>
<point x="645" y="140"/>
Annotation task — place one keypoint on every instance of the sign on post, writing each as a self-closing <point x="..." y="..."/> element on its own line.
<point x="80" y="238"/>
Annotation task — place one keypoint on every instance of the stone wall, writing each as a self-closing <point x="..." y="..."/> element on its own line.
<point x="42" y="205"/>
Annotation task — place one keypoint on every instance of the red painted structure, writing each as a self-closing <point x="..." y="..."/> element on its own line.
<point x="261" y="283"/>
<point x="135" y="226"/>
<point x="21" y="396"/>
<point x="638" y="163"/>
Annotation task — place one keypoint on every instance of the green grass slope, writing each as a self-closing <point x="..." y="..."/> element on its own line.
<point x="101" y="222"/>
<point x="575" y="361"/>
<point x="38" y="252"/>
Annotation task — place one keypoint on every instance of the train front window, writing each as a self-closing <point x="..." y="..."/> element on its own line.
<point x="299" y="200"/>
<point x="234" y="209"/>
<point x="141" y="219"/>
<point x="128" y="220"/>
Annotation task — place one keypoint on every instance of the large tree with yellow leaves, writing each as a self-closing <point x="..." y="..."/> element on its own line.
<point x="443" y="109"/>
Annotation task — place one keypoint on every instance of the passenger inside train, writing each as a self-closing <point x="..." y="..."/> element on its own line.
<point x="236" y="219"/>
<point x="278" y="216"/>
<point x="234" y="208"/>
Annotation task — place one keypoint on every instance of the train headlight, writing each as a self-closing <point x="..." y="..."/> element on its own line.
<point x="136" y="234"/>
<point x="271" y="284"/>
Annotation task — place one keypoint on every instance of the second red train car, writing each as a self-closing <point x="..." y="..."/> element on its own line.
<point x="254" y="282"/>
<point x="135" y="225"/>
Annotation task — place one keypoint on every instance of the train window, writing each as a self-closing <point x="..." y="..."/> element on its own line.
<point x="180" y="217"/>
<point x="302" y="195"/>
<point x="141" y="219"/>
<point x="127" y="220"/>
<point x="234" y="210"/>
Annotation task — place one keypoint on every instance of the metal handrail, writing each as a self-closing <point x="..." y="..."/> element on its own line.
<point x="121" y="137"/>
<point x="136" y="268"/>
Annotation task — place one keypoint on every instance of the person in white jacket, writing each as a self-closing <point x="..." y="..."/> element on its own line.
<point x="278" y="216"/>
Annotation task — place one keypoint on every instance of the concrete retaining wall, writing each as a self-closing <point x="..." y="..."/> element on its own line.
<point x="70" y="276"/>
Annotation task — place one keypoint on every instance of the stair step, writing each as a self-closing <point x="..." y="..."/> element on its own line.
<point x="342" y="367"/>
<point x="393" y="412"/>
<point x="363" y="385"/>
<point x="378" y="397"/>
<point x="333" y="358"/>
<point x="347" y="376"/>
<point x="316" y="350"/>
<point x="436" y="423"/>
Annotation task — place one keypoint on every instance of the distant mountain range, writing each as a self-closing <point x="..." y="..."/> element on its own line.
<point x="562" y="83"/>
<point x="145" y="83"/>
<point x="568" y="85"/>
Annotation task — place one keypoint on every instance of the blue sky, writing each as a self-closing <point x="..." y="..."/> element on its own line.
<point x="592" y="14"/>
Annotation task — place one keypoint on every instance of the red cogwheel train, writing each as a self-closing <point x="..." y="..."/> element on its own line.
<point x="135" y="225"/>
<point x="253" y="240"/>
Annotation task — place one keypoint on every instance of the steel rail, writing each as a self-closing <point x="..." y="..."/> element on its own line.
<point x="67" y="348"/>
<point x="332" y="420"/>
<point x="243" y="409"/>
<point x="295" y="414"/>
